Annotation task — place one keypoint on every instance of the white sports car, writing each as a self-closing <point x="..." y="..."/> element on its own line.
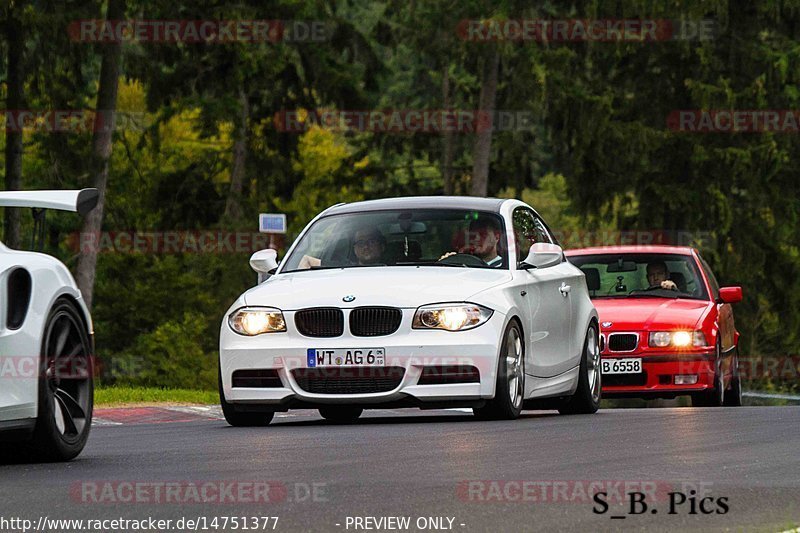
<point x="426" y="302"/>
<point x="46" y="341"/>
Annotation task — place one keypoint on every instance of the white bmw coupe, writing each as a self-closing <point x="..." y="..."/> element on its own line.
<point x="46" y="388"/>
<point x="427" y="302"/>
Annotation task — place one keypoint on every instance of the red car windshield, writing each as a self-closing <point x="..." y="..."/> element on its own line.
<point x="636" y="275"/>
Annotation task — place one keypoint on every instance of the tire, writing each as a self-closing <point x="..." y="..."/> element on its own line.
<point x="510" y="385"/>
<point x="339" y="414"/>
<point x="66" y="386"/>
<point x="242" y="419"/>
<point x="714" y="397"/>
<point x="733" y="398"/>
<point x="586" y="399"/>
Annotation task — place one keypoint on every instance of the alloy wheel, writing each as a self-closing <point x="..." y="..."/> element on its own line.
<point x="68" y="375"/>
<point x="514" y="367"/>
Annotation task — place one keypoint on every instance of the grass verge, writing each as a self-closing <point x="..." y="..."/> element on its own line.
<point x="115" y="396"/>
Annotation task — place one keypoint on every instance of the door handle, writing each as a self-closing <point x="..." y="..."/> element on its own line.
<point x="564" y="289"/>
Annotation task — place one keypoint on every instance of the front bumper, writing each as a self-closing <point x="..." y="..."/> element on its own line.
<point x="411" y="350"/>
<point x="657" y="379"/>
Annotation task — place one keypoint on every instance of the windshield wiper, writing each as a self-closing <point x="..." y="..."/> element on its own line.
<point x="651" y="294"/>
<point x="338" y="267"/>
<point x="456" y="265"/>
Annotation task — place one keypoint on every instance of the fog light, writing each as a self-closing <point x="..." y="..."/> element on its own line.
<point x="689" y="379"/>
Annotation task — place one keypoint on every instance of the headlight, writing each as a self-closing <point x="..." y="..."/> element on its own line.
<point x="452" y="317"/>
<point x="257" y="320"/>
<point x="679" y="339"/>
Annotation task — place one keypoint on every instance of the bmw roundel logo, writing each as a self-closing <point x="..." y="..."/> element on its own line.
<point x="607" y="324"/>
<point x="349" y="298"/>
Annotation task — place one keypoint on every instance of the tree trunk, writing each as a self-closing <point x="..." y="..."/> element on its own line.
<point x="101" y="151"/>
<point x="14" y="102"/>
<point x="448" y="147"/>
<point x="233" y="207"/>
<point x="483" y="138"/>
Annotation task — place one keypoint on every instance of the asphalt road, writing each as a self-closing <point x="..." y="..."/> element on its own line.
<point x="437" y="464"/>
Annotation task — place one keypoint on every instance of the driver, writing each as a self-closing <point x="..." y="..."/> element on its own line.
<point x="484" y="235"/>
<point x="658" y="276"/>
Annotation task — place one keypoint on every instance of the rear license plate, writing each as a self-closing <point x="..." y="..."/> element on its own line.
<point x="622" y="366"/>
<point x="318" y="357"/>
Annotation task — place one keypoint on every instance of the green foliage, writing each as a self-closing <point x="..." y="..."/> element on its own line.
<point x="171" y="356"/>
<point x="326" y="177"/>
<point x="598" y="156"/>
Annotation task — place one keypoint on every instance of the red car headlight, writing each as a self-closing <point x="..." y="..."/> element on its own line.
<point x="678" y="339"/>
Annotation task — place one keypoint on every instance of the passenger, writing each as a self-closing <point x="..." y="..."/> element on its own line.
<point x="369" y="245"/>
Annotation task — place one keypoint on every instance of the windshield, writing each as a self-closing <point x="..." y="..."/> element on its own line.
<point x="641" y="275"/>
<point x="403" y="237"/>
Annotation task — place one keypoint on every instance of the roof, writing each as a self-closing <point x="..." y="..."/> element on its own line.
<point x="421" y="202"/>
<point x="632" y="249"/>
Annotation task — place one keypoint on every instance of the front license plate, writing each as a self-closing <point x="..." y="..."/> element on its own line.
<point x="622" y="366"/>
<point x="318" y="357"/>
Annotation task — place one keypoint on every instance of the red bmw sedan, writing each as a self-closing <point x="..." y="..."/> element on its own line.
<point x="666" y="325"/>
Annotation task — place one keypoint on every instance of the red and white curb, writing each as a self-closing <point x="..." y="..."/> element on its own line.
<point x="118" y="416"/>
<point x="123" y="416"/>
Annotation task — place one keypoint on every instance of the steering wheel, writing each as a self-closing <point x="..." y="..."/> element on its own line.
<point x="466" y="260"/>
<point x="656" y="288"/>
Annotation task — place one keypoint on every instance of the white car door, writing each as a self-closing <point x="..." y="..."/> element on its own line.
<point x="551" y="317"/>
<point x="548" y="300"/>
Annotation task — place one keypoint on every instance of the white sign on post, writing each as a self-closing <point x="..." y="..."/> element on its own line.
<point x="272" y="223"/>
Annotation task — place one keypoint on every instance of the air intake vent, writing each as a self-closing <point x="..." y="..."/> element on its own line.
<point x="359" y="380"/>
<point x="442" y="375"/>
<point x="374" y="321"/>
<point x="320" y="322"/>
<point x="622" y="342"/>
<point x="624" y="380"/>
<point x="19" y="298"/>
<point x="257" y="378"/>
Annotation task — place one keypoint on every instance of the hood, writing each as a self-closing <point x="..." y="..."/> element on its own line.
<point x="650" y="314"/>
<point x="390" y="286"/>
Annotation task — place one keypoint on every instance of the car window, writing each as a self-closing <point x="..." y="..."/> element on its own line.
<point x="402" y="237"/>
<point x="623" y="275"/>
<point x="712" y="279"/>
<point x="528" y="230"/>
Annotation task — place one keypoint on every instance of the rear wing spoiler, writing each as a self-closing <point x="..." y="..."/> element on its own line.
<point x="80" y="201"/>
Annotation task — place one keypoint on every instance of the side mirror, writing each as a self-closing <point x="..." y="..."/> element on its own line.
<point x="542" y="255"/>
<point x="730" y="295"/>
<point x="264" y="261"/>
